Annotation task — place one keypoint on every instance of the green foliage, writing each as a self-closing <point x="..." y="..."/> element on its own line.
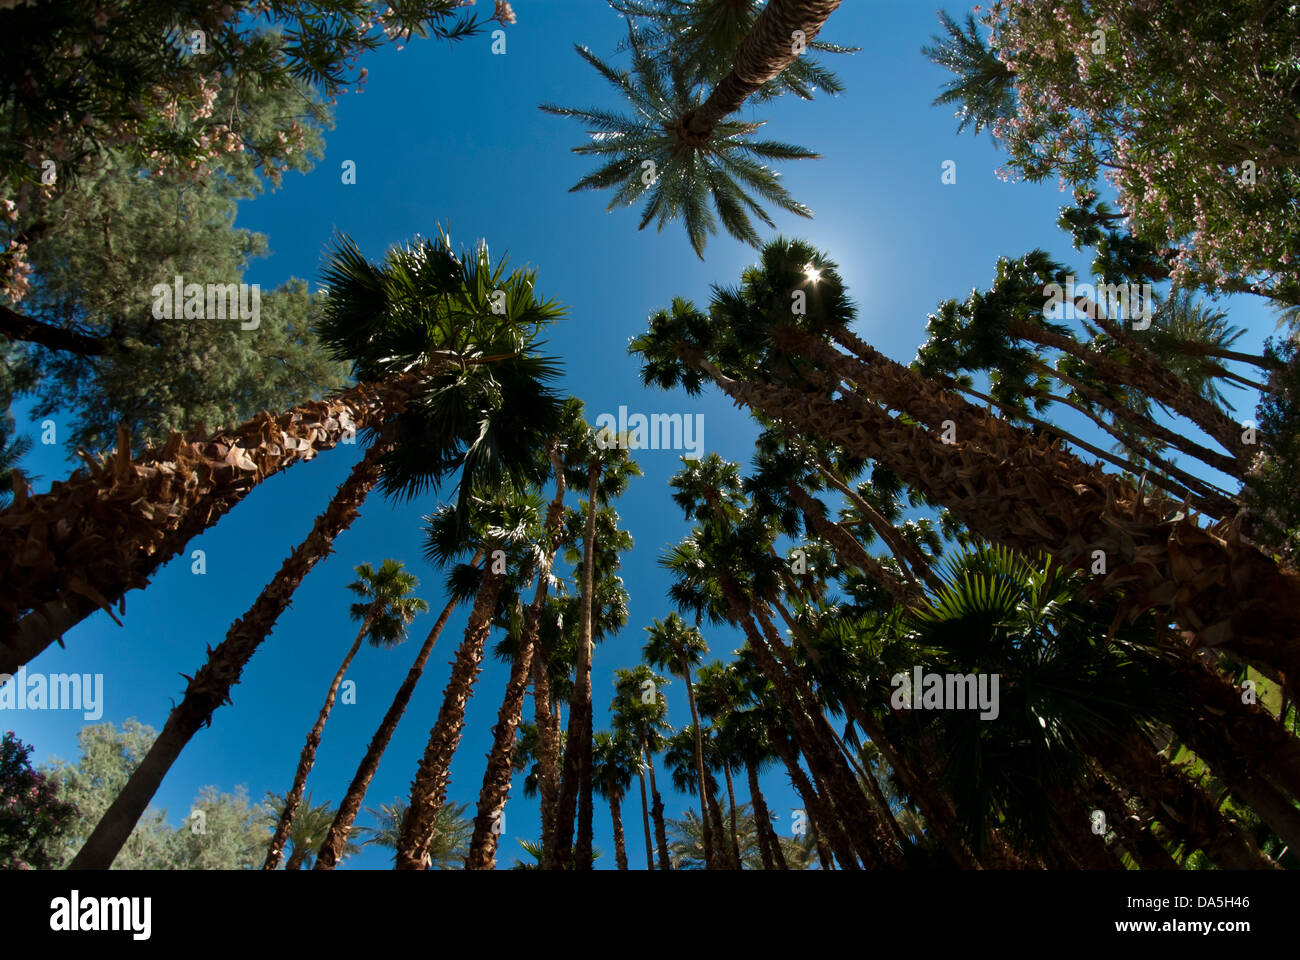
<point x="452" y="832"/>
<point x="228" y="836"/>
<point x="1273" y="488"/>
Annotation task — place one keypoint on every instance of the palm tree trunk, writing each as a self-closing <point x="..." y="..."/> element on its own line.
<point x="332" y="849"/>
<point x="109" y="528"/>
<point x="429" y="789"/>
<point x="548" y="750"/>
<point x="645" y="821"/>
<point x="308" y="757"/>
<point x="766" y="51"/>
<point x="731" y="799"/>
<point x="496" y="779"/>
<point x="1022" y="491"/>
<point x="815" y="809"/>
<point x="1190" y="812"/>
<point x="1137" y="838"/>
<point x="706" y="829"/>
<point x="769" y="844"/>
<point x="724" y="861"/>
<point x="297" y="858"/>
<point x="575" y="786"/>
<point x="616" y="816"/>
<point x="211" y="685"/>
<point x="657" y="811"/>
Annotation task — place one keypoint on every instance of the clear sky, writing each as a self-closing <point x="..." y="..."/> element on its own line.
<point x="452" y="136"/>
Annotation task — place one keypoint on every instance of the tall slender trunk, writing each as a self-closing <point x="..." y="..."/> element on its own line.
<point x="500" y="768"/>
<point x="707" y="830"/>
<point x="298" y="857"/>
<point x="575" y="786"/>
<point x="731" y="800"/>
<point x="429" y="789"/>
<point x="769" y="844"/>
<point x="211" y="685"/>
<point x="548" y="749"/>
<point x="332" y="849"/>
<point x="616" y="817"/>
<point x="108" y="528"/>
<point x="307" y="758"/>
<point x="768" y="48"/>
<point x="645" y="821"/>
<point x="831" y="840"/>
<point x="657" y="811"/>
<point x="724" y="861"/>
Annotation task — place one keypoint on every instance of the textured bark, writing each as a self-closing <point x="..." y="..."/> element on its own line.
<point x="332" y="849"/>
<point x="211" y="685"/>
<point x="1131" y="827"/>
<point x="765" y="52"/>
<point x="849" y="551"/>
<point x="429" y="788"/>
<point x="1189" y="812"/>
<point x="830" y="839"/>
<point x="657" y="812"/>
<point x="1022" y="491"/>
<point x="500" y="768"/>
<point x="616" y="816"/>
<point x="548" y="748"/>
<point x="307" y="759"/>
<point x="110" y="527"/>
<point x="769" y="844"/>
<point x="724" y="860"/>
<point x="575" y="784"/>
<point x="1075" y="832"/>
<point x="731" y="800"/>
<point x="298" y="858"/>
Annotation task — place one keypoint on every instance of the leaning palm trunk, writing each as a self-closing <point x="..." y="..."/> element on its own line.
<point x="496" y="779"/>
<point x="731" y="800"/>
<point x="429" y="790"/>
<point x="1190" y="813"/>
<point x="332" y="849"/>
<point x="211" y="685"/>
<point x="827" y="834"/>
<point x="298" y="858"/>
<point x="575" y="785"/>
<point x="83" y="545"/>
<point x="1013" y="488"/>
<point x="308" y="757"/>
<point x="769" y="47"/>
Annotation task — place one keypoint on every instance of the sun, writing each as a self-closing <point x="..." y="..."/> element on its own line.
<point x="812" y="273"/>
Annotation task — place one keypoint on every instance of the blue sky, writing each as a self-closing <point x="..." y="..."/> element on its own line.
<point x="452" y="136"/>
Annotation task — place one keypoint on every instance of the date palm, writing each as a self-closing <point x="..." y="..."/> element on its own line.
<point x="675" y="149"/>
<point x="308" y="827"/>
<point x="385" y="609"/>
<point x="451" y="832"/>
<point x="704" y="36"/>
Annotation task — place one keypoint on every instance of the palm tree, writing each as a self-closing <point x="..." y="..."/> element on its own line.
<point x="984" y="88"/>
<point x="386" y="609"/>
<point x="1231" y="595"/>
<point x="640" y="710"/>
<point x="448" y="845"/>
<point x="422" y="310"/>
<point x="329" y="854"/>
<point x="425" y="344"/>
<point x="308" y="826"/>
<point x="500" y="525"/>
<point x="676" y="145"/>
<point x="12" y="449"/>
<point x="704" y="35"/>
<point x="676" y="646"/>
<point x="608" y="468"/>
<point x="614" y="758"/>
